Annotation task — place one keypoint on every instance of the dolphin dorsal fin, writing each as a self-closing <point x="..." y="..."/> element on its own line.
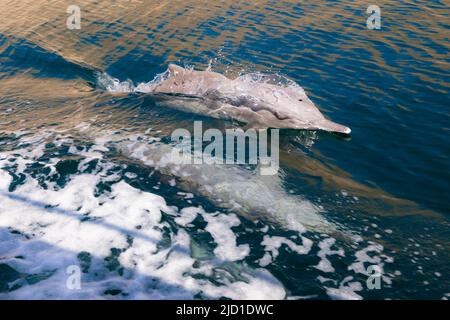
<point x="174" y="69"/>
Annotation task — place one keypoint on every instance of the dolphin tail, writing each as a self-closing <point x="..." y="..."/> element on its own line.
<point x="331" y="126"/>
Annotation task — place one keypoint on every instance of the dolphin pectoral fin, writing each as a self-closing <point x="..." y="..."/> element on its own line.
<point x="331" y="126"/>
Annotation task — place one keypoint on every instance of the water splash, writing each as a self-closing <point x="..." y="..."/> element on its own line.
<point x="111" y="84"/>
<point x="248" y="80"/>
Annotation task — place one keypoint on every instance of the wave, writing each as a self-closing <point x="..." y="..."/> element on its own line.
<point x="111" y="84"/>
<point x="19" y="55"/>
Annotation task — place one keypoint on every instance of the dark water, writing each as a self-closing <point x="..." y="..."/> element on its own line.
<point x="384" y="189"/>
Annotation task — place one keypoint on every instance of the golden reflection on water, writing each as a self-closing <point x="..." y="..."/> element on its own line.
<point x="168" y="27"/>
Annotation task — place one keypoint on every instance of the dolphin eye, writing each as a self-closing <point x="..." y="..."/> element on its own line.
<point x="300" y="99"/>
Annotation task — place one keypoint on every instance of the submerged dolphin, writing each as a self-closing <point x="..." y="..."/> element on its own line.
<point x="258" y="104"/>
<point x="233" y="188"/>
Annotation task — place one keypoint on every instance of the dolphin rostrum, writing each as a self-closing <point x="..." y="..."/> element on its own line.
<point x="258" y="104"/>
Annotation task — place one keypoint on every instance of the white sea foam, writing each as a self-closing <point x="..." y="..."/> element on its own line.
<point x="346" y="290"/>
<point x="112" y="84"/>
<point x="325" y="250"/>
<point x="187" y="215"/>
<point x="219" y="226"/>
<point x="43" y="230"/>
<point x="54" y="226"/>
<point x="273" y="244"/>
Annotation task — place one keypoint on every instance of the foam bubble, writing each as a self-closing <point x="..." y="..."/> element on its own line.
<point x="273" y="244"/>
<point x="219" y="226"/>
<point x="325" y="250"/>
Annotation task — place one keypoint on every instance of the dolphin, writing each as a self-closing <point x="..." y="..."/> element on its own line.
<point x="258" y="104"/>
<point x="234" y="188"/>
